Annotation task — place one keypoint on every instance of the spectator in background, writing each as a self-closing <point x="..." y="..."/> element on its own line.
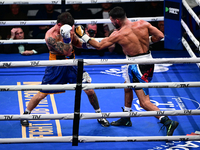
<point x="47" y="13"/>
<point x="154" y="9"/>
<point x="79" y="12"/>
<point x="161" y="26"/>
<point x="14" y="14"/>
<point x="103" y="14"/>
<point x="159" y="45"/>
<point x="92" y="31"/>
<point x="25" y="49"/>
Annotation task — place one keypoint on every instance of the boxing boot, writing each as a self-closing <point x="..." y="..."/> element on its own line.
<point x="25" y="122"/>
<point x="169" y="124"/>
<point x="125" y="121"/>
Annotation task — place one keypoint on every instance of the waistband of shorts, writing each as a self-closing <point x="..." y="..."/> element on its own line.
<point x="139" y="56"/>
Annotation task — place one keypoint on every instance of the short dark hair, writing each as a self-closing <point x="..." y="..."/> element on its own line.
<point x="117" y="13"/>
<point x="65" y="18"/>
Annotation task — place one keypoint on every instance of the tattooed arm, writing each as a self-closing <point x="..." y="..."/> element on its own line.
<point x="59" y="46"/>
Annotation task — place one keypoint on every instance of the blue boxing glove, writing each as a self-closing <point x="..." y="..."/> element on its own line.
<point x="65" y="33"/>
<point x="79" y="30"/>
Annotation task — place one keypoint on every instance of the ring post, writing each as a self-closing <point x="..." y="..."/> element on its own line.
<point x="172" y="17"/>
<point x="77" y="103"/>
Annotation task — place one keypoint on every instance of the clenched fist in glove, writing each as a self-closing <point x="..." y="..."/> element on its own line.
<point x="79" y="30"/>
<point x="65" y="32"/>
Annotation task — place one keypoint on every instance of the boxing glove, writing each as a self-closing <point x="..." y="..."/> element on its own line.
<point x="79" y="30"/>
<point x="65" y="33"/>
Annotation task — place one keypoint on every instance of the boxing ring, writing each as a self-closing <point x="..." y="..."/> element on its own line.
<point x="174" y="89"/>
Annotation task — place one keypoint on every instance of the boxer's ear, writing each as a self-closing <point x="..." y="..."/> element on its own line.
<point x="59" y="24"/>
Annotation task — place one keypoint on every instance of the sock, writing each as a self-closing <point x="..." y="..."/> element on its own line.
<point x="127" y="109"/>
<point x="27" y="111"/>
<point x="161" y="117"/>
<point x="98" y="110"/>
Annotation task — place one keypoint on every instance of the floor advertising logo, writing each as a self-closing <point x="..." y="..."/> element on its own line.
<point x="170" y="103"/>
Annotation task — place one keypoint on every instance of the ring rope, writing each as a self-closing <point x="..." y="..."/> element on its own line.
<point x="99" y="86"/>
<point x="194" y="40"/>
<point x="29" y="41"/>
<point x="192" y="37"/>
<point x="26" y="2"/>
<point x="100" y="138"/>
<point x="78" y="21"/>
<point x="25" y="41"/>
<point x="9" y="2"/>
<point x="73" y="62"/>
<point x="35" y="41"/>
<point x="84" y="139"/>
<point x="70" y="116"/>
<point x="102" y="1"/>
<point x="187" y="47"/>
<point x="191" y="12"/>
<point x="198" y="2"/>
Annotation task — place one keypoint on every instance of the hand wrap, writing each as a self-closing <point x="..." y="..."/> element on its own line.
<point x="150" y="40"/>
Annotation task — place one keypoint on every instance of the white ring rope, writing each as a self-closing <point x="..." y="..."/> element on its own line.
<point x="191" y="12"/>
<point x="9" y="2"/>
<point x="192" y="37"/>
<point x="30" y="41"/>
<point x="98" y="86"/>
<point x="84" y="139"/>
<point x="94" y="86"/>
<point x="70" y="116"/>
<point x="53" y="22"/>
<point x="198" y="2"/>
<point x="194" y="40"/>
<point x="26" y="2"/>
<point x="25" y="41"/>
<point x="187" y="47"/>
<point x="73" y="62"/>
<point x="102" y="1"/>
<point x="78" y="21"/>
<point x="35" y="41"/>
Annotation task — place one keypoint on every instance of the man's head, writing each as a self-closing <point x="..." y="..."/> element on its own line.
<point x="76" y="7"/>
<point x="65" y="18"/>
<point x="106" y="6"/>
<point x="161" y="26"/>
<point x="14" y="9"/>
<point x="19" y="34"/>
<point x="91" y="29"/>
<point x="117" y="15"/>
<point x="49" y="8"/>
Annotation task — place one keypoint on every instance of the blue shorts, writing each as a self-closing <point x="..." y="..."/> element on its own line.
<point x="140" y="74"/>
<point x="59" y="75"/>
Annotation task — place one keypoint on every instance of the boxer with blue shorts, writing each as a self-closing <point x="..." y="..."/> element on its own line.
<point x="134" y="38"/>
<point x="60" y="40"/>
<point x="138" y="73"/>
